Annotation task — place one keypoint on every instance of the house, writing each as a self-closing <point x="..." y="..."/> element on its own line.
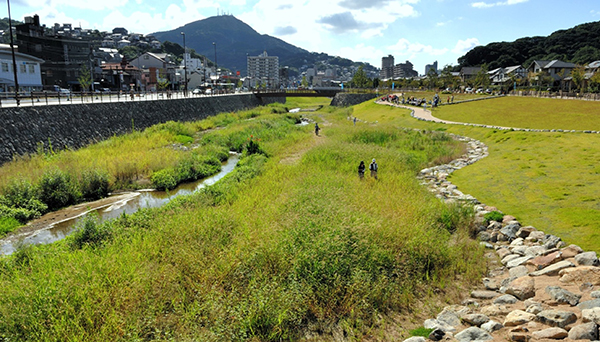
<point x="29" y="72"/>
<point x="558" y="70"/>
<point x="503" y="75"/>
<point x="161" y="62"/>
<point x="468" y="73"/>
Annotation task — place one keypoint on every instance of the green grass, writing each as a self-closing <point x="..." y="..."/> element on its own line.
<point x="290" y="243"/>
<point x="526" y="112"/>
<point x="547" y="180"/>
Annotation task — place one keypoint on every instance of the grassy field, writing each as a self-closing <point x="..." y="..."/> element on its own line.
<point x="525" y="112"/>
<point x="548" y="180"/>
<point x="290" y="246"/>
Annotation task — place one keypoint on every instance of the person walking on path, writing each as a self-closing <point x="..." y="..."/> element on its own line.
<point x="317" y="129"/>
<point x="361" y="170"/>
<point x="355" y="121"/>
<point x="373" y="167"/>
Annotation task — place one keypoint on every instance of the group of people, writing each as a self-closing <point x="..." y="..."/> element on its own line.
<point x="372" y="167"/>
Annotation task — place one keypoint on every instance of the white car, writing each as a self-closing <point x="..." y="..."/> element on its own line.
<point x="197" y="91"/>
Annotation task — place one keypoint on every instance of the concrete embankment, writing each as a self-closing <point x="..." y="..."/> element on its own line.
<point x="77" y="125"/>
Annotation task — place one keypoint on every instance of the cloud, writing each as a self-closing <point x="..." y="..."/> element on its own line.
<point x="594" y="13"/>
<point x="345" y="22"/>
<point x="284" y="7"/>
<point x="361" y="4"/>
<point x="482" y="4"/>
<point x="462" y="46"/>
<point x="284" y="31"/>
<point x="362" y="52"/>
<point x="44" y="5"/>
<point x="405" y="47"/>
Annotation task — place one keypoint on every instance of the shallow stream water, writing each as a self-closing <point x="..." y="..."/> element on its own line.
<point x="127" y="203"/>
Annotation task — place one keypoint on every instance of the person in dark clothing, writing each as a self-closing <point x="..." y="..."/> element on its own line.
<point x="317" y="128"/>
<point x="361" y="170"/>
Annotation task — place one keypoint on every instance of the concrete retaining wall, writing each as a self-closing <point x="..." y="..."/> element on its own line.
<point x="77" y="125"/>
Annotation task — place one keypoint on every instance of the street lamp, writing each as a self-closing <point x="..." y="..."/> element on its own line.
<point x="184" y="66"/>
<point x="12" y="49"/>
<point x="216" y="65"/>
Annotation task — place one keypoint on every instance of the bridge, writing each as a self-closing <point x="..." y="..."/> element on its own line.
<point x="314" y="92"/>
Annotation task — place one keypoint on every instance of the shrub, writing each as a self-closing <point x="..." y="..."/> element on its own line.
<point x="454" y="216"/>
<point x="8" y="224"/>
<point x="21" y="194"/>
<point x="253" y="147"/>
<point x="57" y="189"/>
<point x="421" y="331"/>
<point x="89" y="232"/>
<point x="20" y="214"/>
<point x="184" y="139"/>
<point x="94" y="184"/>
<point x="493" y="216"/>
<point x="164" y="179"/>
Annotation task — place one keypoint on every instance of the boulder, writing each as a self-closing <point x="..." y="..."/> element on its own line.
<point x="522" y="288"/>
<point x="517" y="242"/>
<point x="545" y="260"/>
<point x="520" y="250"/>
<point x="449" y="316"/>
<point x="510" y="231"/>
<point x="586" y="331"/>
<point x="518" y="261"/>
<point x="536" y="236"/>
<point x="491" y="326"/>
<point x="518" y="271"/>
<point x="490" y="284"/>
<point x="586" y="287"/>
<point x="589" y="304"/>
<point x="503" y="252"/>
<point x="550" y="333"/>
<point x="435" y="324"/>
<point x="416" y="339"/>
<point x="518" y="317"/>
<point x="525" y="231"/>
<point x="508" y="218"/>
<point x="473" y="334"/>
<point x="480" y="294"/>
<point x="553" y="269"/>
<point x="587" y="259"/>
<point x="552" y="241"/>
<point x="536" y="250"/>
<point x="475" y="319"/>
<point x="519" y="334"/>
<point x="563" y="296"/>
<point x="581" y="274"/>
<point x="571" y="251"/>
<point x="591" y="315"/>
<point x="506" y="299"/>
<point x="535" y="308"/>
<point x="494" y="225"/>
<point x="555" y="318"/>
<point x="509" y="257"/>
<point x="484" y="236"/>
<point x="595" y="294"/>
<point x="494" y="310"/>
<point x="437" y="335"/>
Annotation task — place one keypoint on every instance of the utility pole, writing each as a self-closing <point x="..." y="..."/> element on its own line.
<point x="12" y="49"/>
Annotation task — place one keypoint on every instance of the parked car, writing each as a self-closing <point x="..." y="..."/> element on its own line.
<point x="469" y="90"/>
<point x="197" y="91"/>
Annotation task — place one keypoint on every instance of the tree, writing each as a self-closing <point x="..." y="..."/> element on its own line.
<point x="360" y="79"/>
<point x="482" y="79"/>
<point x="162" y="82"/>
<point x="594" y="83"/>
<point x="304" y="82"/>
<point x="432" y="78"/>
<point x="85" y="78"/>
<point x="578" y="76"/>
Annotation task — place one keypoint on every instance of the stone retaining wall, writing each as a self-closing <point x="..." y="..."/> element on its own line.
<point x="345" y="100"/>
<point x="77" y="125"/>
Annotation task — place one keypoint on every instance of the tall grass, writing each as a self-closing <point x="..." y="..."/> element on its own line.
<point x="274" y="251"/>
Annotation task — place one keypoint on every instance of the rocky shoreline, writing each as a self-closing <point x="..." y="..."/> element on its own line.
<point x="537" y="288"/>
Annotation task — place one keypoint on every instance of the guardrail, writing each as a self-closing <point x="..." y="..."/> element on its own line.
<point x="43" y="98"/>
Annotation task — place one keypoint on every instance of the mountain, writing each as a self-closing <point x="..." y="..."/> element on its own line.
<point x="235" y="40"/>
<point x="580" y="45"/>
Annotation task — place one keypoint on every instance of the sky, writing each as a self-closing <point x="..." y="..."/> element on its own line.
<point x="420" y="31"/>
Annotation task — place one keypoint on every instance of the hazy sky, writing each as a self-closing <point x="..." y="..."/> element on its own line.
<point x="421" y="31"/>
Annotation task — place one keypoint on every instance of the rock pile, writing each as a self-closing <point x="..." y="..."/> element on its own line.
<point x="536" y="288"/>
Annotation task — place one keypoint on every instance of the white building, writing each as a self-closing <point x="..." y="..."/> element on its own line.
<point x="29" y="73"/>
<point x="263" y="70"/>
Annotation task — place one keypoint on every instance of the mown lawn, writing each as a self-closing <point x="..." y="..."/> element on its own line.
<point x="526" y="112"/>
<point x="290" y="245"/>
<point x="548" y="180"/>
